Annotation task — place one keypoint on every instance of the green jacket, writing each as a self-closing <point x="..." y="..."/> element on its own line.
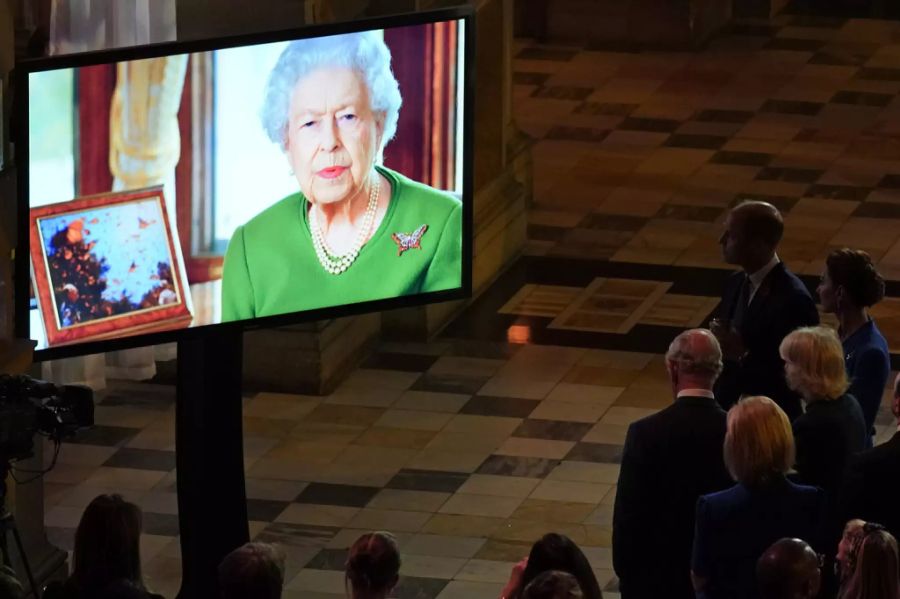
<point x="271" y="267"/>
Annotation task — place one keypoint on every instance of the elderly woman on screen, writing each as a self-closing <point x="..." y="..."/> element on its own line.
<point x="356" y="231"/>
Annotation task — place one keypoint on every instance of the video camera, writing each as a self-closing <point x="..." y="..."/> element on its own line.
<point x="29" y="406"/>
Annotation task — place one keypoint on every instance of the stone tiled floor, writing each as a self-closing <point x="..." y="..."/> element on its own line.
<point x="511" y="424"/>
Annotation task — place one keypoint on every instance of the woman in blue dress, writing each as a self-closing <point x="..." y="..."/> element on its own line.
<point x="850" y="286"/>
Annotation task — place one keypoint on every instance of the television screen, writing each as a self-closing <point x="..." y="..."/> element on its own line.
<point x="264" y="179"/>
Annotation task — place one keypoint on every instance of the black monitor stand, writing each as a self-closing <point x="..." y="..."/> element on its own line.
<point x="212" y="503"/>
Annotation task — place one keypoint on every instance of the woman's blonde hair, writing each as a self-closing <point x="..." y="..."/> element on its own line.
<point x="877" y="570"/>
<point x="759" y="442"/>
<point x="818" y="358"/>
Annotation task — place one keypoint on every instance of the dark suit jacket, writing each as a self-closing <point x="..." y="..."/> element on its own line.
<point x="734" y="527"/>
<point x="669" y="460"/>
<point x="826" y="436"/>
<point x="781" y="304"/>
<point x="872" y="488"/>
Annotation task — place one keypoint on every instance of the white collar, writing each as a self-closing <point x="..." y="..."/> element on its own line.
<point x="759" y="276"/>
<point x="696" y="393"/>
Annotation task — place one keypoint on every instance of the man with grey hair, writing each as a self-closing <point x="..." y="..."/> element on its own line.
<point x="669" y="460"/>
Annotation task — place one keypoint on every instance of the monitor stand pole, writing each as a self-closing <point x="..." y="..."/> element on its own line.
<point x="212" y="503"/>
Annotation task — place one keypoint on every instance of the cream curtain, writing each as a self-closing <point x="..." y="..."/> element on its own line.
<point x="144" y="135"/>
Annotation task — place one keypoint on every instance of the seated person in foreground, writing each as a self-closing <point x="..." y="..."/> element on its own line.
<point x="789" y="569"/>
<point x="553" y="584"/>
<point x="107" y="551"/>
<point x="355" y="231"/>
<point x="735" y="526"/>
<point x="373" y="566"/>
<point x="872" y="487"/>
<point x="553" y="552"/>
<point x="252" y="571"/>
<point x="875" y="569"/>
<point x="669" y="460"/>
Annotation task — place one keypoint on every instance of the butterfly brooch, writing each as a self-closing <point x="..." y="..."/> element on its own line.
<point x="408" y="241"/>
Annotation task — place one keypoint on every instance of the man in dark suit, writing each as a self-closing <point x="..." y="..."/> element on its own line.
<point x="761" y="305"/>
<point x="871" y="489"/>
<point x="669" y="460"/>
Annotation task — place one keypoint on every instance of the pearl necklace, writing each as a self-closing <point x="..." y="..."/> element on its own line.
<point x="338" y="263"/>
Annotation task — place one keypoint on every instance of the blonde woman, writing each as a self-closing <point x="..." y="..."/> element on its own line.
<point x="735" y="526"/>
<point x="832" y="427"/>
<point x="876" y="568"/>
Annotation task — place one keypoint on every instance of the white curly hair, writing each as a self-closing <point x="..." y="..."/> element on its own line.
<point x="365" y="52"/>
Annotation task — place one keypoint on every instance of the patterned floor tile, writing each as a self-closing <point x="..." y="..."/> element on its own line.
<point x="341" y="495"/>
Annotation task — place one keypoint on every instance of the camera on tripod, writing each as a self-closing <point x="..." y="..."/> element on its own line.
<point x="30" y="406"/>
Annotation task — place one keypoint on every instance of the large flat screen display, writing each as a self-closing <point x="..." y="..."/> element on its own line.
<point x="259" y="180"/>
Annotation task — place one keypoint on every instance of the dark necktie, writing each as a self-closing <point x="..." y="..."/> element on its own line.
<point x="740" y="308"/>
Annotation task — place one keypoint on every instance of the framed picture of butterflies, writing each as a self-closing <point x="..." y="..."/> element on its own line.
<point x="106" y="265"/>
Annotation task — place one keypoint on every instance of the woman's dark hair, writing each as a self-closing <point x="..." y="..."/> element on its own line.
<point x="855" y="272"/>
<point x="252" y="571"/>
<point x="373" y="564"/>
<point x="107" y="544"/>
<point x="558" y="552"/>
<point x="553" y="584"/>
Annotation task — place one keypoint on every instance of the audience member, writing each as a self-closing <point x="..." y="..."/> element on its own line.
<point x="669" y="460"/>
<point x="373" y="566"/>
<point x="9" y="584"/>
<point x="789" y="569"/>
<point x="833" y="428"/>
<point x="252" y="571"/>
<point x="876" y="574"/>
<point x="850" y="285"/>
<point x="759" y="307"/>
<point x="107" y="550"/>
<point x="872" y="489"/>
<point x="845" y="561"/>
<point x="553" y="552"/>
<point x="735" y="526"/>
<point x="553" y="584"/>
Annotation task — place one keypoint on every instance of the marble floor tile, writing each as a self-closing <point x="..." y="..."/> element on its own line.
<point x="427" y="480"/>
<point x="528" y="467"/>
<point x="480" y="505"/>
<point x="427" y="566"/>
<point x="552" y="511"/>
<point x="462" y="525"/>
<point x="399" y="438"/>
<point x="571" y="412"/>
<point x="448" y="460"/>
<point x="319" y="515"/>
<point x="443" y="546"/>
<point x="431" y="401"/>
<point x="535" y="448"/>
<point x="558" y="490"/>
<point x="586" y="472"/>
<point x="461" y="589"/>
<point x="503" y="486"/>
<point x="338" y="495"/>
<point x="413" y="419"/>
<point x="414" y="501"/>
<point x="481" y="570"/>
<point x="399" y="520"/>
